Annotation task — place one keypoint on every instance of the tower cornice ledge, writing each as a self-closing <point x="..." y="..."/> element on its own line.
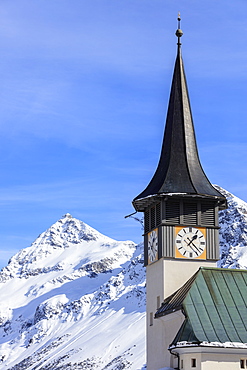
<point x="141" y="204"/>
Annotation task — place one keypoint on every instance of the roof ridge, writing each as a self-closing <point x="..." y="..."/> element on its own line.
<point x="222" y="268"/>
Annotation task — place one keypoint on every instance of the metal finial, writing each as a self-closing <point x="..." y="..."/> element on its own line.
<point x="179" y="32"/>
<point x="179" y="19"/>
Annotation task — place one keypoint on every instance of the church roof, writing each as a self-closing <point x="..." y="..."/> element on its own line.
<point x="179" y="169"/>
<point x="214" y="302"/>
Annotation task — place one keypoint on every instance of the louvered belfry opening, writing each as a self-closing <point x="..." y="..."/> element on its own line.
<point x="153" y="220"/>
<point x="181" y="212"/>
<point x="208" y="214"/>
<point x="195" y="213"/>
<point x="146" y="221"/>
<point x="172" y="212"/>
<point x="152" y="217"/>
<point x="190" y="214"/>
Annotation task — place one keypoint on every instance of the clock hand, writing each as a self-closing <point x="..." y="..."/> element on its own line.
<point x="193" y="238"/>
<point x="191" y="242"/>
<point x="188" y="245"/>
<point x="195" y="247"/>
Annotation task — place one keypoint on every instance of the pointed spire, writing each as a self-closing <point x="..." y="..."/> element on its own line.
<point x="179" y="169"/>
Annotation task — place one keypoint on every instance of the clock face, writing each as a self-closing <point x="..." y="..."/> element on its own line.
<point x="190" y="243"/>
<point x="153" y="246"/>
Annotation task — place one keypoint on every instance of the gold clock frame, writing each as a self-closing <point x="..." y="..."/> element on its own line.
<point x="202" y="256"/>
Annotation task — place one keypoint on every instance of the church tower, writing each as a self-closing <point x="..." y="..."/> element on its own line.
<point x="180" y="208"/>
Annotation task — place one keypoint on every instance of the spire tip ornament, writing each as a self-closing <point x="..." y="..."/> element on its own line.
<point x="179" y="32"/>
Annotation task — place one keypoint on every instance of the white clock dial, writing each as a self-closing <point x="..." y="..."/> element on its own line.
<point x="190" y="242"/>
<point x="152" y="246"/>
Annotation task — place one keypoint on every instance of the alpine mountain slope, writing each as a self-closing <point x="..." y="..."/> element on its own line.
<point x="75" y="299"/>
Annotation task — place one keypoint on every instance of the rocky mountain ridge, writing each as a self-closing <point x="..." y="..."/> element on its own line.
<point x="233" y="232"/>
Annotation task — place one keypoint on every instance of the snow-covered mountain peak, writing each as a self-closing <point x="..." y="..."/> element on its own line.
<point x="67" y="215"/>
<point x="73" y="286"/>
<point x="68" y="245"/>
<point x="72" y="230"/>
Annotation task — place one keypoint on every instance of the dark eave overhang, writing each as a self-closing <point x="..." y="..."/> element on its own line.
<point x="141" y="204"/>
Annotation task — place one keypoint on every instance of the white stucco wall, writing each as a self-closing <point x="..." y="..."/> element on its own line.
<point x="222" y="361"/>
<point x="212" y="358"/>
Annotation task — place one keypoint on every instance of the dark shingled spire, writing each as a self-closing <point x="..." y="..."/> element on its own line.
<point x="179" y="169"/>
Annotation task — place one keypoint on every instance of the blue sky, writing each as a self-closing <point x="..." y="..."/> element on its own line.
<point x="83" y="99"/>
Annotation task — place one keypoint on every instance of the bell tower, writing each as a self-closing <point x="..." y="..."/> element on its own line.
<point x="180" y="208"/>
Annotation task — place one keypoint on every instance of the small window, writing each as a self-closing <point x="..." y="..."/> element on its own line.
<point x="151" y="319"/>
<point x="193" y="362"/>
<point x="243" y="363"/>
<point x="158" y="302"/>
<point x="182" y="364"/>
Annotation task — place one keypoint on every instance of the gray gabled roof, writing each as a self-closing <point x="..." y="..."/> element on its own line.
<point x="214" y="302"/>
<point x="179" y="169"/>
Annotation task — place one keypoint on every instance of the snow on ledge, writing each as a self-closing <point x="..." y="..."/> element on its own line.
<point x="210" y="344"/>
